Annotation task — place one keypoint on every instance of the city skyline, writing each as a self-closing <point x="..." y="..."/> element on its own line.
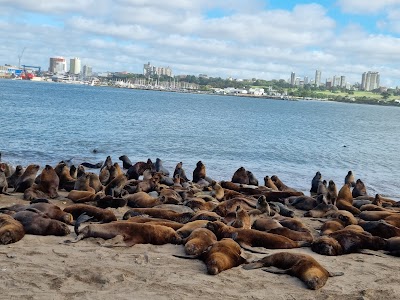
<point x="220" y="38"/>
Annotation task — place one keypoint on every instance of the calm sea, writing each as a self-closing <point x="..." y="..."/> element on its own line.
<point x="47" y="122"/>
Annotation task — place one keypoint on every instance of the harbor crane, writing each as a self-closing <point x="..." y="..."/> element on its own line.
<point x="20" y="56"/>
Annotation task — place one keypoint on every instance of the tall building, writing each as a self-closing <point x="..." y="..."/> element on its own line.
<point x="292" y="79"/>
<point x="306" y="81"/>
<point x="342" y="81"/>
<point x="86" y="71"/>
<point x="58" y="65"/>
<point x="75" y="66"/>
<point x="370" y="81"/>
<point x="149" y="70"/>
<point x="317" y="80"/>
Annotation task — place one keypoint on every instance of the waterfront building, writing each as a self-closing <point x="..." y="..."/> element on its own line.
<point x="87" y="71"/>
<point x="292" y="78"/>
<point x="75" y="66"/>
<point x="306" y="81"/>
<point x="149" y="70"/>
<point x="58" y="65"/>
<point x="317" y="80"/>
<point x="370" y="81"/>
<point x="343" y="81"/>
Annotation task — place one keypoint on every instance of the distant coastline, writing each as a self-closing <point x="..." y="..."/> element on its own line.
<point x="368" y="101"/>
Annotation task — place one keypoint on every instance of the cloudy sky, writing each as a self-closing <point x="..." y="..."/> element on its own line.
<point x="265" y="39"/>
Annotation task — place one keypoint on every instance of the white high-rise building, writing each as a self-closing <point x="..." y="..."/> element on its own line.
<point x="86" y="71"/>
<point x="317" y="80"/>
<point x="58" y="65"/>
<point x="370" y="81"/>
<point x="75" y="66"/>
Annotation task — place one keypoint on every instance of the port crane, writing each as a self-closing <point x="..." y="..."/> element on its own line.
<point x="20" y="56"/>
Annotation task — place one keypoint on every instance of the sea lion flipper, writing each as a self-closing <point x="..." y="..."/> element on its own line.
<point x="275" y="270"/>
<point x="333" y="274"/>
<point x="249" y="248"/>
<point x="186" y="256"/>
<point x="82" y="218"/>
<point x="253" y="265"/>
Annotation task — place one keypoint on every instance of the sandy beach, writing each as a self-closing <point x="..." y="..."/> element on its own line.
<point x="43" y="267"/>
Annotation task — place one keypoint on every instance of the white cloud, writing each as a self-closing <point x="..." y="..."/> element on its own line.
<point x="363" y="6"/>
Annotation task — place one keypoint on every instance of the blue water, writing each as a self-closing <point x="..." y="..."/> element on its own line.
<point x="47" y="122"/>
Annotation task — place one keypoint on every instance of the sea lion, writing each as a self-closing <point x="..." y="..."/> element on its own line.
<point x="12" y="180"/>
<point x="82" y="184"/>
<point x="3" y="180"/>
<point x="322" y="188"/>
<point x="198" y="241"/>
<point x="349" y="179"/>
<point x="138" y="168"/>
<point x="181" y="172"/>
<point x="280" y="185"/>
<point x="160" y="213"/>
<point x="302" y="266"/>
<point x="126" y="162"/>
<point x="200" y="204"/>
<point x="242" y="219"/>
<point x="332" y="192"/>
<point x="67" y="182"/>
<point x="283" y="209"/>
<point x="73" y="172"/>
<point x="345" y="200"/>
<point x="141" y="199"/>
<point x="345" y="216"/>
<point x="380" y="228"/>
<point x="331" y="226"/>
<point x="82" y="196"/>
<point x="374" y="215"/>
<point x="252" y="238"/>
<point x="123" y="233"/>
<point x="303" y="202"/>
<point x="229" y="206"/>
<point x="265" y="224"/>
<point x="37" y="223"/>
<point x="292" y="223"/>
<point x="94" y="182"/>
<point x="189" y="227"/>
<point x="315" y="182"/>
<point x="221" y="256"/>
<point x="270" y="184"/>
<point x="206" y="215"/>
<point x="320" y="210"/>
<point x="107" y="163"/>
<point x="115" y="187"/>
<point x="160" y="168"/>
<point x="359" y="189"/>
<point x="98" y="214"/>
<point x="393" y="246"/>
<point x="47" y="186"/>
<point x="294" y="235"/>
<point x="52" y="211"/>
<point x="240" y="176"/>
<point x="27" y="178"/>
<point x="199" y="172"/>
<point x="11" y="230"/>
<point x="393" y="220"/>
<point x="347" y="241"/>
<point x="104" y="176"/>
<point x="252" y="179"/>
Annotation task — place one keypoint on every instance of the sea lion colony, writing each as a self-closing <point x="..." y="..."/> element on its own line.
<point x="214" y="221"/>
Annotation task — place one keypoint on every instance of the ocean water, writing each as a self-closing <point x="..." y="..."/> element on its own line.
<point x="47" y="122"/>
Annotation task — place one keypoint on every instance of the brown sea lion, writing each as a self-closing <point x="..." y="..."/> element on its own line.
<point x="322" y="188"/>
<point x="12" y="180"/>
<point x="200" y="204"/>
<point x="67" y="182"/>
<point x="27" y="178"/>
<point x="294" y="235"/>
<point x="252" y="238"/>
<point x="11" y="230"/>
<point x="52" y="211"/>
<point x="199" y="172"/>
<point x="198" y="241"/>
<point x="270" y="184"/>
<point x="347" y="241"/>
<point x="393" y="220"/>
<point x="98" y="214"/>
<point x="135" y="171"/>
<point x="141" y="199"/>
<point x="73" y="172"/>
<point x="49" y="182"/>
<point x="155" y="221"/>
<point x="229" y="206"/>
<point x="83" y="184"/>
<point x="345" y="193"/>
<point x="303" y="202"/>
<point x="94" y="182"/>
<point x="206" y="215"/>
<point x="115" y="187"/>
<point x="280" y="185"/>
<point x="37" y="223"/>
<point x="222" y="255"/>
<point x="345" y="200"/>
<point x="3" y="180"/>
<point x="181" y="172"/>
<point x="82" y="196"/>
<point x="320" y="210"/>
<point x="292" y="223"/>
<point x="374" y="215"/>
<point x="123" y="233"/>
<point x="345" y="216"/>
<point x="189" y="227"/>
<point x="160" y="213"/>
<point x="380" y="228"/>
<point x="302" y="266"/>
<point x="242" y="219"/>
<point x="240" y="176"/>
<point x="359" y="189"/>
<point x="265" y="224"/>
<point x="393" y="246"/>
<point x="332" y="192"/>
<point x="160" y="168"/>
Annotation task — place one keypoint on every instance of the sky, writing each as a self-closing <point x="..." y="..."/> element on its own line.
<point x="242" y="39"/>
